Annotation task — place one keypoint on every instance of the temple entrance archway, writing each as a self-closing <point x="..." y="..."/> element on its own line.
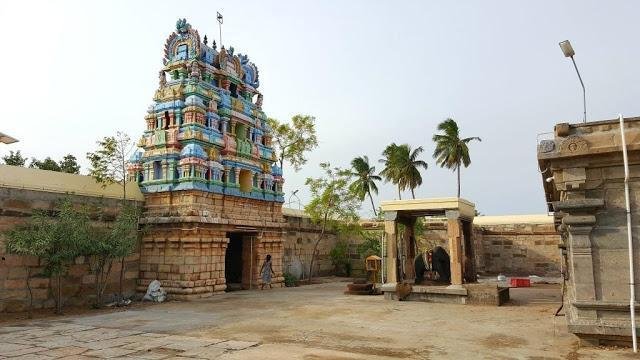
<point x="233" y="262"/>
<point x="242" y="260"/>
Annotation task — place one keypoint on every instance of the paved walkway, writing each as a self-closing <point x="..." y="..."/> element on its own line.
<point x="64" y="340"/>
<point x="309" y="323"/>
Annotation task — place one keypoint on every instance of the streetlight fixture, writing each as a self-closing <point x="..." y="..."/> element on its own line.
<point x="568" y="51"/>
<point x="220" y="20"/>
<point x="6" y="139"/>
<point x="298" y="199"/>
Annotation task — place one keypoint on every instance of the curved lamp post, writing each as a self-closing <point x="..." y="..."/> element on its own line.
<point x="297" y="198"/>
<point x="567" y="50"/>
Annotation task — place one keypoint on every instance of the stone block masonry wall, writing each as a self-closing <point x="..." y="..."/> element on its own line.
<point x="513" y="248"/>
<point x="435" y="234"/>
<point x="300" y="236"/>
<point x="518" y="249"/>
<point x="188" y="236"/>
<point x="187" y="260"/>
<point x="16" y="205"/>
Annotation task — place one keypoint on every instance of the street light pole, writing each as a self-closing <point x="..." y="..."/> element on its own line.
<point x="219" y="18"/>
<point x="568" y="51"/>
<point x="292" y="195"/>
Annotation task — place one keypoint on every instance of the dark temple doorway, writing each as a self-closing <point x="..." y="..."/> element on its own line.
<point x="233" y="262"/>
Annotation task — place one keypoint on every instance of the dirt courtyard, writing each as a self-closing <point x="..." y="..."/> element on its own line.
<point x="310" y="322"/>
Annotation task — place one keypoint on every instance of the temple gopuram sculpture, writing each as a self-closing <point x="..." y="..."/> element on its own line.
<point x="213" y="193"/>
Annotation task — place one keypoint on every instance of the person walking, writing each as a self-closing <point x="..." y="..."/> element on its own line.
<point x="266" y="271"/>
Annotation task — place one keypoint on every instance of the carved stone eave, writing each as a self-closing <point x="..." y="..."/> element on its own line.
<point x="578" y="205"/>
<point x="579" y="221"/>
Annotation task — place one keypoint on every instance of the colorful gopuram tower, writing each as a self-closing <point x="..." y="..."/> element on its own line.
<point x="213" y="194"/>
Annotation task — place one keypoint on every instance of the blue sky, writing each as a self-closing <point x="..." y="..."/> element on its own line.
<point x="371" y="72"/>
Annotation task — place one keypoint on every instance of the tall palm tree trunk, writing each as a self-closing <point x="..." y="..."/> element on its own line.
<point x="399" y="195"/>
<point x="458" y="169"/>
<point x="375" y="213"/>
<point x="413" y="195"/>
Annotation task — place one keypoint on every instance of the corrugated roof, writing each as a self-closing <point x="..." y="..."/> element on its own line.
<point x="18" y="177"/>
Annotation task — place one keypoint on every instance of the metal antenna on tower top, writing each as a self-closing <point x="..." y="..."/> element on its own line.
<point x="219" y="17"/>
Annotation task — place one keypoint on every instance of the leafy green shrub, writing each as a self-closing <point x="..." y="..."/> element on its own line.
<point x="56" y="240"/>
<point x="340" y="258"/>
<point x="289" y="280"/>
<point x="370" y="245"/>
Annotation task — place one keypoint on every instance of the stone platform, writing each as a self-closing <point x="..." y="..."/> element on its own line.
<point x="479" y="294"/>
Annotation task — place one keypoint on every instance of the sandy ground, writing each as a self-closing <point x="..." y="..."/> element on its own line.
<point x="319" y="322"/>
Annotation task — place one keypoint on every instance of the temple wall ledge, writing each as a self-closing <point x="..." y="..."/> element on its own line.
<point x="604" y="305"/>
<point x="577" y="205"/>
<point x="577" y="220"/>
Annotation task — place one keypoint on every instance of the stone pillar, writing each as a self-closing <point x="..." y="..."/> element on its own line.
<point x="147" y="172"/>
<point x="577" y="223"/>
<point x="251" y="261"/>
<point x="237" y="173"/>
<point x="455" y="248"/>
<point x="408" y="250"/>
<point x="225" y="174"/>
<point x="165" y="170"/>
<point x="391" y="250"/>
<point x="233" y="127"/>
<point x="172" y="170"/>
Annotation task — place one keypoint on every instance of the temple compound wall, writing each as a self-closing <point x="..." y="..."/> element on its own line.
<point x="300" y="235"/>
<point x="517" y="245"/>
<point x="179" y="256"/>
<point x="181" y="253"/>
<point x="583" y="176"/>
<point x="24" y="190"/>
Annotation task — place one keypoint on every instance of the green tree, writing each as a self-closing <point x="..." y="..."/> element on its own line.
<point x="371" y="244"/>
<point x="14" y="159"/>
<point x="332" y="203"/>
<point x="391" y="171"/>
<point x="57" y="240"/>
<point x="108" y="166"/>
<point x="340" y="258"/>
<point x="110" y="243"/>
<point x="69" y="164"/>
<point x="46" y="164"/>
<point x="402" y="167"/>
<point x="292" y="141"/>
<point x="365" y="180"/>
<point x="109" y="161"/>
<point x="29" y="239"/>
<point x="451" y="151"/>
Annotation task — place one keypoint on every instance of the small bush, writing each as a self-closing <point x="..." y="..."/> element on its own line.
<point x="340" y="258"/>
<point x="289" y="280"/>
<point x="370" y="246"/>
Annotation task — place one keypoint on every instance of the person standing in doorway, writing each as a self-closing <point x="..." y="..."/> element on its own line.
<point x="266" y="271"/>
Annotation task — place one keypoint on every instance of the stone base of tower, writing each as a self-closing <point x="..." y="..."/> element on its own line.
<point x="199" y="244"/>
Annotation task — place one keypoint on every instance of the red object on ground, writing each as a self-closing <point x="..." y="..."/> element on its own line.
<point x="520" y="282"/>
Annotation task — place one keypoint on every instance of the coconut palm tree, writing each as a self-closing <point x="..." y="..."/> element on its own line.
<point x="365" y="181"/>
<point x="451" y="152"/>
<point x="410" y="167"/>
<point x="402" y="167"/>
<point x="391" y="169"/>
